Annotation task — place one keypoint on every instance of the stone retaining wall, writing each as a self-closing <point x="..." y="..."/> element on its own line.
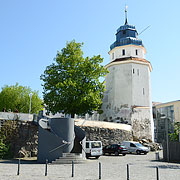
<point x="107" y="136"/>
<point x="106" y="132"/>
<point x="26" y="138"/>
<point x="23" y="138"/>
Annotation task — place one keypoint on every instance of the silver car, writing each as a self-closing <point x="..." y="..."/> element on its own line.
<point x="135" y="147"/>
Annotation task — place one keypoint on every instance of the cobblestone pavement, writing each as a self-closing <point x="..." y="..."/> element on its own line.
<point x="142" y="167"/>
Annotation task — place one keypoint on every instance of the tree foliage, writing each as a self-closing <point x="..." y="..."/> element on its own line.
<point x="9" y="132"/>
<point x="71" y="83"/>
<point x="17" y="97"/>
<point x="175" y="135"/>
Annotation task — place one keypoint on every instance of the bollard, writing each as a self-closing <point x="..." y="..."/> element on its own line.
<point x="99" y="170"/>
<point x="72" y="168"/>
<point x="157" y="173"/>
<point x="157" y="156"/>
<point x="127" y="171"/>
<point x="46" y="167"/>
<point x="19" y="162"/>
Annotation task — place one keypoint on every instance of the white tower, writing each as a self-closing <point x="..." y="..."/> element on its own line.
<point x="127" y="98"/>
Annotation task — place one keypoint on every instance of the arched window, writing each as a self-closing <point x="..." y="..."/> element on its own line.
<point x="123" y="52"/>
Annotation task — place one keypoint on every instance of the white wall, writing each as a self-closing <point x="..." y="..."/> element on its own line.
<point x="124" y="89"/>
<point x="16" y="116"/>
<point x="141" y="94"/>
<point x="142" y="123"/>
<point x="130" y="50"/>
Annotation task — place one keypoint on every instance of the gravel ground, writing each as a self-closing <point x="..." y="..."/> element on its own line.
<point x="142" y="167"/>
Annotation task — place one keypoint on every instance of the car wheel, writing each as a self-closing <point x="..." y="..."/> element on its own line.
<point x="116" y="153"/>
<point x="123" y="154"/>
<point x="138" y="152"/>
<point x="145" y="153"/>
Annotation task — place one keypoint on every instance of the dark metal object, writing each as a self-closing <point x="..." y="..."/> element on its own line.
<point x="127" y="171"/>
<point x="46" y="167"/>
<point x="19" y="162"/>
<point x="18" y="171"/>
<point x="72" y="168"/>
<point x="99" y="170"/>
<point x="157" y="173"/>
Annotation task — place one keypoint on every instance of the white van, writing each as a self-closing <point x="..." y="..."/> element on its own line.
<point x="135" y="147"/>
<point x="93" y="149"/>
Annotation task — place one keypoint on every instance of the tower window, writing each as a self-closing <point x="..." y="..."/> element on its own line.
<point x="124" y="32"/>
<point x="112" y="55"/>
<point x="138" y="72"/>
<point x="123" y="52"/>
<point x="133" y="71"/>
<point x="136" y="52"/>
<point x="143" y="91"/>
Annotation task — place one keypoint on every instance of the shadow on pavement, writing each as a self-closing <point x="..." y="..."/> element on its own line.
<point x="166" y="166"/>
<point x="15" y="161"/>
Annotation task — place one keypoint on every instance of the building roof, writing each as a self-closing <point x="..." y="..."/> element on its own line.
<point x="156" y="103"/>
<point x="126" y="35"/>
<point x="129" y="59"/>
<point x="166" y="104"/>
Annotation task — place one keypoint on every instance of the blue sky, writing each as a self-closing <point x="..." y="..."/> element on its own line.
<point x="32" y="31"/>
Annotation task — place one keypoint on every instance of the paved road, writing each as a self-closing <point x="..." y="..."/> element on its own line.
<point x="142" y="167"/>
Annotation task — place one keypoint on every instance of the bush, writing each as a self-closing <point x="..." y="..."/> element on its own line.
<point x="7" y="132"/>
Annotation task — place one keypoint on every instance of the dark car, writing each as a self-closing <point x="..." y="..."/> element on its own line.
<point x="115" y="149"/>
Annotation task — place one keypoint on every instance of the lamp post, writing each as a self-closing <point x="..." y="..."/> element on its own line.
<point x="167" y="139"/>
<point x="30" y="96"/>
<point x="166" y="136"/>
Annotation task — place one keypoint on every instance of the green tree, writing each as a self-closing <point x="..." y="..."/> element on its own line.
<point x="72" y="84"/>
<point x="8" y="136"/>
<point x="17" y="97"/>
<point x="175" y="135"/>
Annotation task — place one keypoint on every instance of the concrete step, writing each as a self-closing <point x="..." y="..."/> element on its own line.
<point x="68" y="158"/>
<point x="71" y="158"/>
<point x="72" y="155"/>
<point x="65" y="161"/>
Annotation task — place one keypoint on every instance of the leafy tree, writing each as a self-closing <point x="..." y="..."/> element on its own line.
<point x="8" y="134"/>
<point x="16" y="98"/>
<point x="71" y="84"/>
<point x="175" y="135"/>
<point x="4" y="149"/>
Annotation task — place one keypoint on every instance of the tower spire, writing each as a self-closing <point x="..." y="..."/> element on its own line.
<point x="126" y="21"/>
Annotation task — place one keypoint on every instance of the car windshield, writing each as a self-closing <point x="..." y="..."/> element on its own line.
<point x="139" y="145"/>
<point x="95" y="144"/>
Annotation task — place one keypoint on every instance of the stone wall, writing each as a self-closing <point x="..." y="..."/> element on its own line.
<point x="106" y="132"/>
<point x="28" y="142"/>
<point x="107" y="136"/>
<point x="142" y="124"/>
<point x="23" y="137"/>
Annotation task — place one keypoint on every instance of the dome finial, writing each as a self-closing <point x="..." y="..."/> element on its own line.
<point x="126" y="21"/>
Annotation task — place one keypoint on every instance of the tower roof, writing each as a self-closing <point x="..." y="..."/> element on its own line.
<point x="126" y="35"/>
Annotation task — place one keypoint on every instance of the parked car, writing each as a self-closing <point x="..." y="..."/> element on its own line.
<point x="135" y="147"/>
<point x="93" y="149"/>
<point x="115" y="149"/>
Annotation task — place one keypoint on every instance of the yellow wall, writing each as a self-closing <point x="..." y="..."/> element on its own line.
<point x="176" y="105"/>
